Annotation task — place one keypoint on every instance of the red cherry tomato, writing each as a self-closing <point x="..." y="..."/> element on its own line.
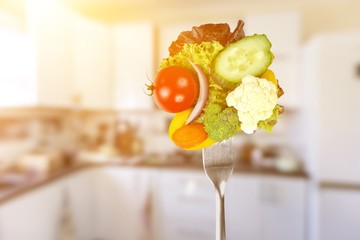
<point x="175" y="89"/>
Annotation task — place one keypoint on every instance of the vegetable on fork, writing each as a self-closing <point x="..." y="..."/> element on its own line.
<point x="224" y="87"/>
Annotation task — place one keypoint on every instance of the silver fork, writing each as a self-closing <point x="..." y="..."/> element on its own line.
<point x="218" y="162"/>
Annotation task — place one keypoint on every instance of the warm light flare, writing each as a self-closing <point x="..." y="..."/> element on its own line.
<point x="107" y="11"/>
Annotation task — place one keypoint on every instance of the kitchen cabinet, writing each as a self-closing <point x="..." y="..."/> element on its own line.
<point x="184" y="206"/>
<point x="17" y="52"/>
<point x="136" y="203"/>
<point x="50" y="29"/>
<point x="78" y="202"/>
<point x="65" y="60"/>
<point x="33" y="216"/>
<point x="122" y="203"/>
<point x="243" y="207"/>
<point x="284" y="31"/>
<point x="266" y="207"/>
<point x="134" y="64"/>
<point x="283" y="208"/>
<point x="36" y="65"/>
<point x="43" y="213"/>
<point x="339" y="214"/>
<point x="257" y="207"/>
<point x="92" y="63"/>
<point x="74" y="59"/>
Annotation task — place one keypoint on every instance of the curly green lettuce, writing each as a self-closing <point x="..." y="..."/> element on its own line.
<point x="201" y="54"/>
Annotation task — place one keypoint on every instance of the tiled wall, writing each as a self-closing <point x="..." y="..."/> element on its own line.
<point x="22" y="131"/>
<point x="69" y="132"/>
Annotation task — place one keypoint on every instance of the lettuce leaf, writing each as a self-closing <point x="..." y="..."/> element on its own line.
<point x="268" y="124"/>
<point x="201" y="54"/>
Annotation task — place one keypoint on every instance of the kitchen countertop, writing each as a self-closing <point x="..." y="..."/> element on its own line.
<point x="238" y="169"/>
<point x="11" y="191"/>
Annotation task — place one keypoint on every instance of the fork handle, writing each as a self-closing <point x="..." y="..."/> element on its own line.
<point x="220" y="216"/>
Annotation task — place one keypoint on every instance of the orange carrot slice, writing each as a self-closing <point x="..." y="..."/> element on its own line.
<point x="190" y="135"/>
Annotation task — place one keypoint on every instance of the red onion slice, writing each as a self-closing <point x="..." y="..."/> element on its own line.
<point x="203" y="92"/>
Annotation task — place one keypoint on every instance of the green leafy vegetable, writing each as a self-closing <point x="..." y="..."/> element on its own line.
<point x="268" y="124"/>
<point x="220" y="122"/>
<point x="201" y="54"/>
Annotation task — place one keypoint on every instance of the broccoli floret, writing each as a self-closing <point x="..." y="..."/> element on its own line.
<point x="220" y="123"/>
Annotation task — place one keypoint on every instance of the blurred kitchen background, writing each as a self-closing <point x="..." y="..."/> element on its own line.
<point x="85" y="155"/>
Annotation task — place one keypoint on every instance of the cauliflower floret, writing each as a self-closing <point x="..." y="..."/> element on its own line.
<point x="254" y="99"/>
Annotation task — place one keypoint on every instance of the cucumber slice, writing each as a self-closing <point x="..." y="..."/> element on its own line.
<point x="248" y="56"/>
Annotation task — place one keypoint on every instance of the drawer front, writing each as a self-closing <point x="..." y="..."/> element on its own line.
<point x="189" y="229"/>
<point x="189" y="183"/>
<point x="187" y="196"/>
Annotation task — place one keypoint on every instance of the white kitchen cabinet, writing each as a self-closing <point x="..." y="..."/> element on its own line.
<point x="65" y="60"/>
<point x="44" y="213"/>
<point x="283" y="208"/>
<point x="122" y="209"/>
<point x="35" y="215"/>
<point x="17" y="52"/>
<point x="339" y="213"/>
<point x="184" y="206"/>
<point x="36" y="65"/>
<point x="50" y="28"/>
<point x="134" y="63"/>
<point x="92" y="63"/>
<point x="284" y="31"/>
<point x="265" y="207"/>
<point x="243" y="207"/>
<point x="78" y="200"/>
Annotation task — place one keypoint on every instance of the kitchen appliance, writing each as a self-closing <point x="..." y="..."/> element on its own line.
<point x="328" y="132"/>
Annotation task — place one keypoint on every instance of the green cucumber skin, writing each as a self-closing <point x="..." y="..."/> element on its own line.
<point x="257" y="44"/>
